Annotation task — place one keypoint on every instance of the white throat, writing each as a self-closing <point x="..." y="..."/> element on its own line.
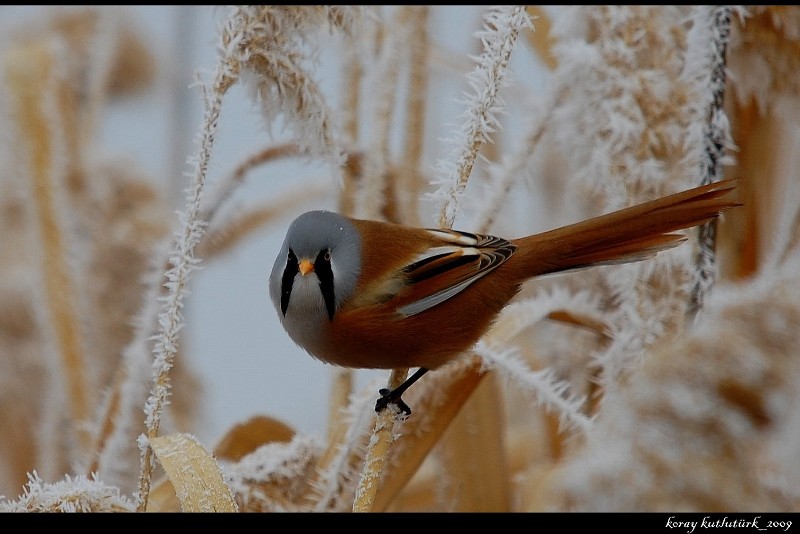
<point x="306" y="312"/>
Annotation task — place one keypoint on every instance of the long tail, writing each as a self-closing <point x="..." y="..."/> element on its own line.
<point x="627" y="235"/>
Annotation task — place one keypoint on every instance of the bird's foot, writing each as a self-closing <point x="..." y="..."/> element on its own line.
<point x="392" y="396"/>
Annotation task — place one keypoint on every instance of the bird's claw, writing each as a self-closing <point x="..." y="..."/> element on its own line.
<point x="388" y="397"/>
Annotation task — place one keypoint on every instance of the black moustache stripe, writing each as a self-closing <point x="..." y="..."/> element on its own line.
<point x="322" y="267"/>
<point x="289" y="272"/>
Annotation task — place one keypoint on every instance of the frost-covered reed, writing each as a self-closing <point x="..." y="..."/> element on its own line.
<point x="639" y="387"/>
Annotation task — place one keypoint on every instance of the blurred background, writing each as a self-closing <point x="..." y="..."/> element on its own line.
<point x="243" y="360"/>
<point x="603" y="395"/>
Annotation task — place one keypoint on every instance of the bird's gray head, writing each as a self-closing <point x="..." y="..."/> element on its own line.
<point x="316" y="269"/>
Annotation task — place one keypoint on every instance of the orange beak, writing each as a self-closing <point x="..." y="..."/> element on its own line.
<point x="306" y="267"/>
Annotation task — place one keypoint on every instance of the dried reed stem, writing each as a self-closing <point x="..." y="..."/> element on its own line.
<point x="715" y="136"/>
<point x="108" y="421"/>
<point x="514" y="168"/>
<point x="352" y="78"/>
<point x="764" y="231"/>
<point x="438" y="399"/>
<point x="338" y="467"/>
<point x="119" y="422"/>
<point x="578" y="319"/>
<point x="379" y="194"/>
<point x="269" y="46"/>
<point x="31" y="76"/>
<point x="411" y="176"/>
<point x="379" y="199"/>
<point x="341" y="389"/>
<point x="183" y="263"/>
<point x="763" y="61"/>
<point x="541" y="40"/>
<point x="502" y="27"/>
<point x="375" y="460"/>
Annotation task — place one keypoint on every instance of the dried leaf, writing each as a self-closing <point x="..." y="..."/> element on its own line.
<point x="194" y="473"/>
<point x="474" y="453"/>
<point x="246" y="437"/>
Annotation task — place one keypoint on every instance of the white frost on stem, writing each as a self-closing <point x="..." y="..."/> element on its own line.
<point x="114" y="462"/>
<point x="515" y="167"/>
<point x="521" y="314"/>
<point x="71" y="495"/>
<point x="338" y="479"/>
<point x="502" y="25"/>
<point x="705" y="66"/>
<point x="268" y="47"/>
<point x="183" y="262"/>
<point x="549" y="391"/>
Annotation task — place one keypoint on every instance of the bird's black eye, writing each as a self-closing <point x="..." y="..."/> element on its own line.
<point x="327" y="255"/>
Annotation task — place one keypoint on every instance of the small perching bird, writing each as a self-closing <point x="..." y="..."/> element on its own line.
<point x="376" y="295"/>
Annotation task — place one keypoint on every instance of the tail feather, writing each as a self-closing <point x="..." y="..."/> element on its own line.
<point x="632" y="251"/>
<point x="630" y="234"/>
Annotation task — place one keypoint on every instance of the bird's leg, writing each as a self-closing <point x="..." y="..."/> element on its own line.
<point x="392" y="396"/>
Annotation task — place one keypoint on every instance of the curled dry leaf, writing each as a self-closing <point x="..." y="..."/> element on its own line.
<point x="246" y="437"/>
<point x="194" y="474"/>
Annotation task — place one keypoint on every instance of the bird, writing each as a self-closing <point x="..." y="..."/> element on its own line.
<point x="371" y="294"/>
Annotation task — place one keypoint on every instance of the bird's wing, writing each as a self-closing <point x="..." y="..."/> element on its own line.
<point x="443" y="271"/>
